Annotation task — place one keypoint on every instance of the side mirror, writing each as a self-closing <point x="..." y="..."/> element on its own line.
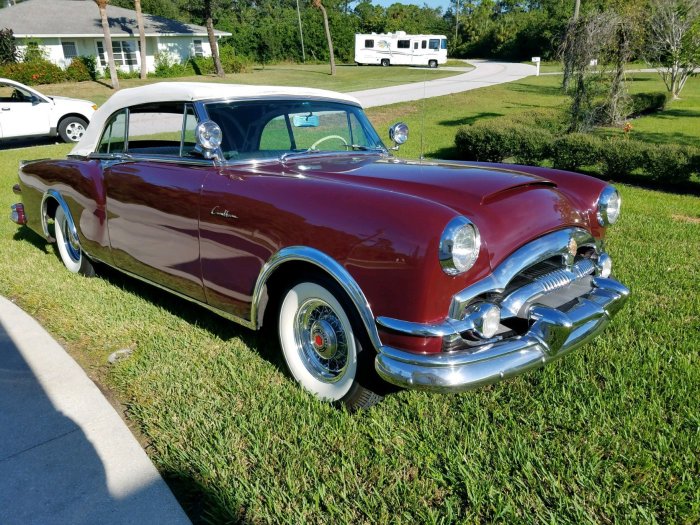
<point x="398" y="133"/>
<point x="209" y="137"/>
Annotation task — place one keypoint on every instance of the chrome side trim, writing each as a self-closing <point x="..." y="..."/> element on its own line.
<point x="552" y="334"/>
<point x="51" y="193"/>
<point x="542" y="248"/>
<point x="332" y="267"/>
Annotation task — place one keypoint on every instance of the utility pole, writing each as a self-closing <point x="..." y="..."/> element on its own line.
<point x="577" y="8"/>
<point x="301" y="34"/>
<point x="457" y="18"/>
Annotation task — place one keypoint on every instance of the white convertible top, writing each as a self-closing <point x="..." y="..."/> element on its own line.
<point x="189" y="92"/>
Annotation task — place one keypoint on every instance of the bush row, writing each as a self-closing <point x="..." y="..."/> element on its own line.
<point x="495" y="141"/>
<point x="166" y="67"/>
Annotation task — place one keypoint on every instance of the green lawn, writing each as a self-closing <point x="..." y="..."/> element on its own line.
<point x="347" y="78"/>
<point x="609" y="434"/>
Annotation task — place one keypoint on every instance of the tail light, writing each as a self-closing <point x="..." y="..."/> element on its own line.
<point x="17" y="215"/>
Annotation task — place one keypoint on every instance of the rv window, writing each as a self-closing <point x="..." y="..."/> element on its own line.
<point x="404" y="44"/>
<point x="434" y="43"/>
<point x="369" y="43"/>
<point x="443" y="43"/>
<point x="424" y="44"/>
<point x="415" y="45"/>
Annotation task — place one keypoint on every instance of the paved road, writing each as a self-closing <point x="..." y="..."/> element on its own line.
<point x="484" y="73"/>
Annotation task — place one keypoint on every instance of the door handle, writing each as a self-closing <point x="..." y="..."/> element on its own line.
<point x="6" y="109"/>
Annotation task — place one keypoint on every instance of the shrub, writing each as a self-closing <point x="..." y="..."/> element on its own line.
<point x="531" y="145"/>
<point x="486" y="141"/>
<point x="552" y="120"/>
<point x="8" y="47"/>
<point x="668" y="163"/>
<point x="90" y="64"/>
<point x="231" y="62"/>
<point x="167" y="67"/>
<point x="694" y="161"/>
<point x="77" y="71"/>
<point x="33" y="52"/>
<point x="575" y="150"/>
<point x="642" y="103"/>
<point x="620" y="157"/>
<point x="36" y="72"/>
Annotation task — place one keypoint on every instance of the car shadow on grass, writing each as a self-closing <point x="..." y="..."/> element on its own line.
<point x="28" y="142"/>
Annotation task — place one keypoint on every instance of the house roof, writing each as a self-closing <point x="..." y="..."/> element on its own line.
<point x="189" y="92"/>
<point x="81" y="18"/>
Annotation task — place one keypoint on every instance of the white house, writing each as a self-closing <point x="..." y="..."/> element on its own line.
<point x="69" y="28"/>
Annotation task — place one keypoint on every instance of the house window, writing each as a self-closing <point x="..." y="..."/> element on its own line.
<point x="125" y="52"/>
<point x="69" y="50"/>
<point x="198" y="49"/>
<point x="404" y="44"/>
<point x="369" y="43"/>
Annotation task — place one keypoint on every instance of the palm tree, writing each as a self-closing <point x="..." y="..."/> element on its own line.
<point x="318" y="5"/>
<point x="102" y="6"/>
<point x="142" y="38"/>
<point x="212" y="38"/>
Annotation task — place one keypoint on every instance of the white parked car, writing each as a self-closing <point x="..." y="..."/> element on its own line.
<point x="24" y="112"/>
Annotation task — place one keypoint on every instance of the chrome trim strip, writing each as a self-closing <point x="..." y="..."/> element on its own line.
<point x="552" y="334"/>
<point x="332" y="267"/>
<point x="542" y="248"/>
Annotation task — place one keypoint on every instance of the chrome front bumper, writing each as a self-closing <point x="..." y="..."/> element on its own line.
<point x="553" y="333"/>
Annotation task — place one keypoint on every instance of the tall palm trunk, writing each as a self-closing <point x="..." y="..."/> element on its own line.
<point x="319" y="5"/>
<point x="212" y="38"/>
<point x="142" y="38"/>
<point x="102" y="6"/>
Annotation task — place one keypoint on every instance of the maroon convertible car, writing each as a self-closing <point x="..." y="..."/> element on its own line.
<point x="280" y="208"/>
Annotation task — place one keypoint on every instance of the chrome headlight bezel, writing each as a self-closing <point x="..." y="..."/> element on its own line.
<point x="605" y="214"/>
<point x="455" y="263"/>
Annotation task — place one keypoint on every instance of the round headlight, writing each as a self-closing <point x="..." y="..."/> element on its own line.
<point x="459" y="246"/>
<point x="609" y="204"/>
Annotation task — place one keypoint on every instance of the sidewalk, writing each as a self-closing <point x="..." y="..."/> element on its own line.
<point x="65" y="454"/>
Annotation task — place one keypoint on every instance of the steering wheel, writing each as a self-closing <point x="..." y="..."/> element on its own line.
<point x="328" y="137"/>
<point x="17" y="95"/>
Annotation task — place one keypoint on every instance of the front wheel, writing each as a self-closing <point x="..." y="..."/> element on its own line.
<point x="72" y="129"/>
<point x="69" y="247"/>
<point x="385" y="62"/>
<point x="320" y="341"/>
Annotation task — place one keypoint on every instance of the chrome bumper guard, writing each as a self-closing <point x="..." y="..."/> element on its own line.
<point x="553" y="333"/>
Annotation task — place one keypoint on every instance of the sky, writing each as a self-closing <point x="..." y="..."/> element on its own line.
<point x="431" y="3"/>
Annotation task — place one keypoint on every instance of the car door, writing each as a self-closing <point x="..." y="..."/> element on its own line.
<point x="22" y="113"/>
<point x="153" y="190"/>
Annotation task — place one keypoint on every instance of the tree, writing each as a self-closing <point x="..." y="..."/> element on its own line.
<point x="318" y="5"/>
<point x="142" y="38"/>
<point x="102" y="6"/>
<point x="208" y="16"/>
<point x="673" y="43"/>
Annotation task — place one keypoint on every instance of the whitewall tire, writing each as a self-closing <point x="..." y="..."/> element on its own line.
<point x="69" y="247"/>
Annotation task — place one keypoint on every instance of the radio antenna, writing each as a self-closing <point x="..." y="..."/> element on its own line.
<point x="422" y="111"/>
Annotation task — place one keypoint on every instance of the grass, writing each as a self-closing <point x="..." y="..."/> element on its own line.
<point x="610" y="433"/>
<point x="434" y="122"/>
<point x="347" y="78"/>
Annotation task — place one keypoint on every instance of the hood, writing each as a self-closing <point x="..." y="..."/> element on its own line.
<point x="69" y="100"/>
<point x="509" y="207"/>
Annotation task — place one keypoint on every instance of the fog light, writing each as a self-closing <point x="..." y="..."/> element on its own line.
<point x="486" y="319"/>
<point x="604" y="265"/>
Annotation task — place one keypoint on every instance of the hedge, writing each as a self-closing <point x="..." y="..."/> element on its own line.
<point x="498" y="139"/>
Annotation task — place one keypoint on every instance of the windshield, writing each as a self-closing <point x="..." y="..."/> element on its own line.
<point x="271" y="129"/>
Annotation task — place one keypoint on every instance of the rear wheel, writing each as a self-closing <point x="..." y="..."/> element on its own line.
<point x="72" y="129"/>
<point x="385" y="62"/>
<point x="433" y="64"/>
<point x="321" y="342"/>
<point x="69" y="247"/>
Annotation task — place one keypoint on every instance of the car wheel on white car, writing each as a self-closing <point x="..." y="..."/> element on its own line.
<point x="69" y="249"/>
<point x="319" y="334"/>
<point x="72" y="129"/>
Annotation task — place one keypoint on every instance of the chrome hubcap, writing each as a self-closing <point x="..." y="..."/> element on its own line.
<point x="321" y="341"/>
<point x="75" y="131"/>
<point x="71" y="244"/>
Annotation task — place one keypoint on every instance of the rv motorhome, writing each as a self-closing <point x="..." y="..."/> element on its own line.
<point x="389" y="49"/>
